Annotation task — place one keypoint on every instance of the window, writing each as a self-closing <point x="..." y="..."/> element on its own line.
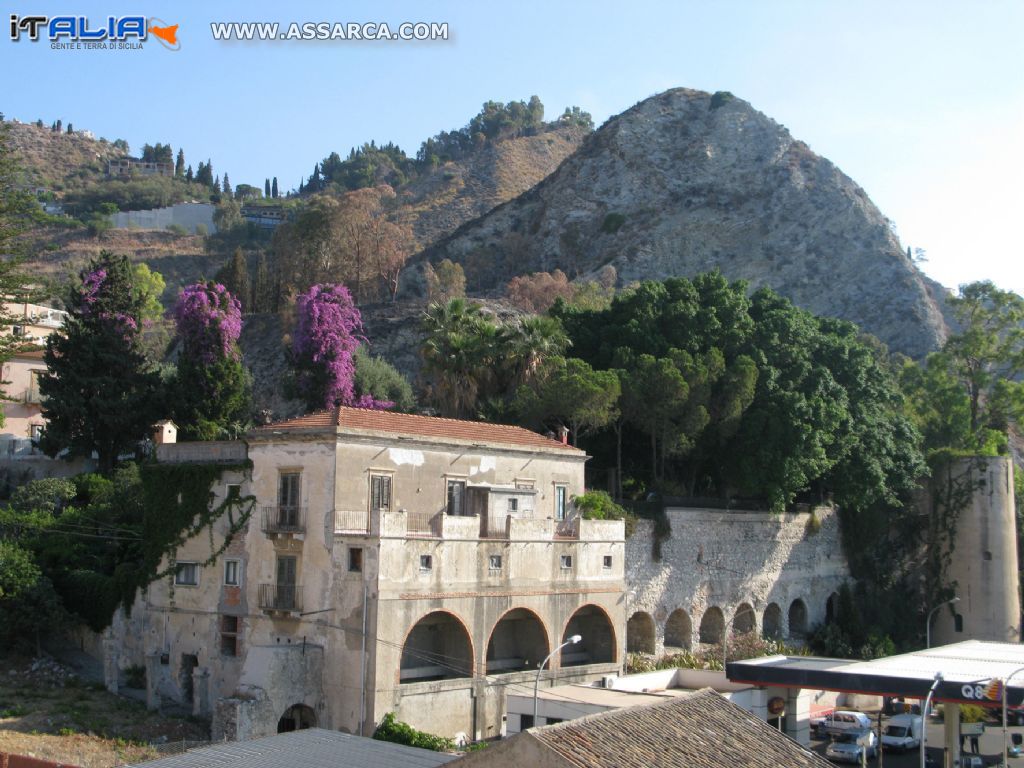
<point x="380" y="492"/>
<point x="426" y="562"/>
<point x="187" y="575"/>
<point x="958" y="623"/>
<point x="567" y="561"/>
<point x="355" y="559"/>
<point x="525" y="721"/>
<point x="526" y="485"/>
<point x="560" y="502"/>
<point x="456" y="497"/>
<point x="36" y="431"/>
<point x="229" y="635"/>
<point x="553" y="720"/>
<point x="495" y="562"/>
<point x="234" y="491"/>
<point x="289" y="498"/>
<point x="607" y="561"/>
<point x="513" y="506"/>
<point x="231" y="573"/>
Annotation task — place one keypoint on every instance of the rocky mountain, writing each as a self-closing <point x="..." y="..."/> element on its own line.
<point x="687" y="181"/>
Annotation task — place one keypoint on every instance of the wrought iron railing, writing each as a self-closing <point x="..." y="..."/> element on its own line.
<point x="424" y="524"/>
<point x="281" y="597"/>
<point x="284" y="519"/>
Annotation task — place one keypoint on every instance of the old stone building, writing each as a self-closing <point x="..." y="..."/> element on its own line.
<point x="392" y="563"/>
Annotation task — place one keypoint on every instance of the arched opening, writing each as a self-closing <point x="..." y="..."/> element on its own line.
<point x="437" y="648"/>
<point x="797" y="619"/>
<point x="598" y="638"/>
<point x="679" y="630"/>
<point x="831" y="608"/>
<point x="640" y="633"/>
<point x="297" y="717"/>
<point x="518" y="641"/>
<point x="771" y="625"/>
<point x="712" y="623"/>
<point x="744" y="620"/>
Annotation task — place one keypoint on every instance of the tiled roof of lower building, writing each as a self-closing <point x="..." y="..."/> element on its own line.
<point x="311" y="748"/>
<point x="702" y="730"/>
<point x="431" y="427"/>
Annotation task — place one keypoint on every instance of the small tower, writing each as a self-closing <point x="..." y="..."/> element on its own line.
<point x="165" y="432"/>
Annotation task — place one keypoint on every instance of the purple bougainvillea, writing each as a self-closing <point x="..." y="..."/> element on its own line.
<point x="209" y="321"/>
<point x="328" y="330"/>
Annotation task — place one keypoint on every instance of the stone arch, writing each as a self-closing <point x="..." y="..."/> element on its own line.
<point x="832" y="608"/>
<point x="297" y="717"/>
<point x="438" y="647"/>
<point x="598" y="645"/>
<point x="712" y="625"/>
<point x="679" y="630"/>
<point x="518" y="641"/>
<point x="641" y="633"/>
<point x="797" y="618"/>
<point x="744" y="621"/>
<point x="771" y="623"/>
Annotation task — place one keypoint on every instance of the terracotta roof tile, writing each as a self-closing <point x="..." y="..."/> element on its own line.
<point x="418" y="426"/>
<point x="702" y="730"/>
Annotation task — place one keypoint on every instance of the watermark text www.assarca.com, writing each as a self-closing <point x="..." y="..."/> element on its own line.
<point x="329" y="30"/>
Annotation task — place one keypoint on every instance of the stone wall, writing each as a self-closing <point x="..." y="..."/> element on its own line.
<point x="757" y="568"/>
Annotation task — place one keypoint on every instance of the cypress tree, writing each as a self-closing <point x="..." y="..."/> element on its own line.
<point x="266" y="188"/>
<point x="273" y="187"/>
<point x="179" y="166"/>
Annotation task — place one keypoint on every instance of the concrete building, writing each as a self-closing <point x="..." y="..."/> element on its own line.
<point x="130" y="166"/>
<point x="391" y="563"/>
<point x="186" y="215"/>
<point x="731" y="572"/>
<point x="23" y="418"/>
<point x="982" y="564"/>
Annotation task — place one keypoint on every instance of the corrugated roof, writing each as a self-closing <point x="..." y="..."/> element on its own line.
<point x="367" y="419"/>
<point x="311" y="748"/>
<point x="702" y="730"/>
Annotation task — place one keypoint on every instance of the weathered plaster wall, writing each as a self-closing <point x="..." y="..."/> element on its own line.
<point x="728" y="559"/>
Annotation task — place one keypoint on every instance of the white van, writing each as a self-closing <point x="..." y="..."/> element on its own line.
<point x="902" y="733"/>
<point x="841" y="721"/>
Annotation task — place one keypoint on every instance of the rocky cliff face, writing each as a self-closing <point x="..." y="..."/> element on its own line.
<point x="685" y="182"/>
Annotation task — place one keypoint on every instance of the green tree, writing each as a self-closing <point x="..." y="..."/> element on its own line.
<point x="445" y="281"/>
<point x="266" y="188"/>
<point x="226" y="186"/>
<point x="573" y="394"/>
<point x="235" y="277"/>
<point x="377" y="378"/>
<point x="273" y="188"/>
<point x="458" y="355"/>
<point x="179" y="165"/>
<point x="101" y="394"/>
<point x="227" y="215"/>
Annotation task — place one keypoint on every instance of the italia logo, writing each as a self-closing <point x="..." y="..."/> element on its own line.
<point x="79" y="29"/>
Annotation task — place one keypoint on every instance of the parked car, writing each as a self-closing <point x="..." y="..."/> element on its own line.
<point x="847" y="747"/>
<point x="903" y="733"/>
<point x="841" y="721"/>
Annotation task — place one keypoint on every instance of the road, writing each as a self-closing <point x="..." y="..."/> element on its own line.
<point x="990" y="746"/>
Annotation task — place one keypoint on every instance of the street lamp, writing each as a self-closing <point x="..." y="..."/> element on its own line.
<point x="571" y="641"/>
<point x="924" y="715"/>
<point x="725" y="634"/>
<point x="1006" y="693"/>
<point x="928" y="621"/>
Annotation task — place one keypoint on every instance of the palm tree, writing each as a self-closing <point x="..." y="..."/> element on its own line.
<point x="458" y="355"/>
<point x="528" y="344"/>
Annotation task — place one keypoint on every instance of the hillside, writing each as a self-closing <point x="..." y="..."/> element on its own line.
<point x="685" y="182"/>
<point x="60" y="161"/>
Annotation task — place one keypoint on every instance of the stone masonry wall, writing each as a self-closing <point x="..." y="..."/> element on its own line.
<point x="753" y="567"/>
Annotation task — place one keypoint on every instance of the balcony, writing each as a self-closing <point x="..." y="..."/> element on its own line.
<point x="279" y="521"/>
<point x="281" y="598"/>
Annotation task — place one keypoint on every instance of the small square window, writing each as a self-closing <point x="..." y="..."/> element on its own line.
<point x="234" y="491"/>
<point x="495" y="562"/>
<point x="187" y="575"/>
<point x="355" y="559"/>
<point x="426" y="562"/>
<point x="567" y="561"/>
<point x="513" y="506"/>
<point x="607" y="561"/>
<point x="525" y="721"/>
<point x="231" y="573"/>
<point x="229" y="635"/>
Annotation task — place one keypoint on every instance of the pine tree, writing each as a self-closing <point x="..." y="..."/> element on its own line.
<point x="226" y="186"/>
<point x="235" y="276"/>
<point x="262" y="295"/>
<point x="273" y="187"/>
<point x="266" y="189"/>
<point x="58" y="126"/>
<point x="216" y="183"/>
<point x="101" y="394"/>
<point x="179" y="166"/>
<point x="70" y="129"/>
<point x="189" y="176"/>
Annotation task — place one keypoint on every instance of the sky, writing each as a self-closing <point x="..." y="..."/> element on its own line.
<point x="921" y="103"/>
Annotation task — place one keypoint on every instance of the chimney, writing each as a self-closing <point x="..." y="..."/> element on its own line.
<point x="563" y="434"/>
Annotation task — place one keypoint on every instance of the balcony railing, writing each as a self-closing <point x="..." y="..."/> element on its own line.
<point x="284" y="520"/>
<point x="424" y="524"/>
<point x="283" y="598"/>
<point x="351" y="521"/>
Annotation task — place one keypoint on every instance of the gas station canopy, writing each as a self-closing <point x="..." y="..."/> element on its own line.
<point x="967" y="668"/>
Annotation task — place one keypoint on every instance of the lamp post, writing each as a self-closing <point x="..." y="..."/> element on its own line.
<point x="536" y="683"/>
<point x="928" y="621"/>
<point x="1006" y="693"/>
<point x="924" y="715"/>
<point x="725" y="634"/>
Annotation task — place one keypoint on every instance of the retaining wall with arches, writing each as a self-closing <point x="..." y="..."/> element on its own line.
<point x="731" y="571"/>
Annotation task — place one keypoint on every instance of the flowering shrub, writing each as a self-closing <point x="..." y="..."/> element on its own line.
<point x="209" y="321"/>
<point x="328" y="332"/>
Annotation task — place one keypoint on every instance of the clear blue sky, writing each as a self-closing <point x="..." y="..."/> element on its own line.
<point x="922" y="103"/>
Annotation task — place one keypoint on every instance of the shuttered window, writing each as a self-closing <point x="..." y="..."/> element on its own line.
<point x="380" y="492"/>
